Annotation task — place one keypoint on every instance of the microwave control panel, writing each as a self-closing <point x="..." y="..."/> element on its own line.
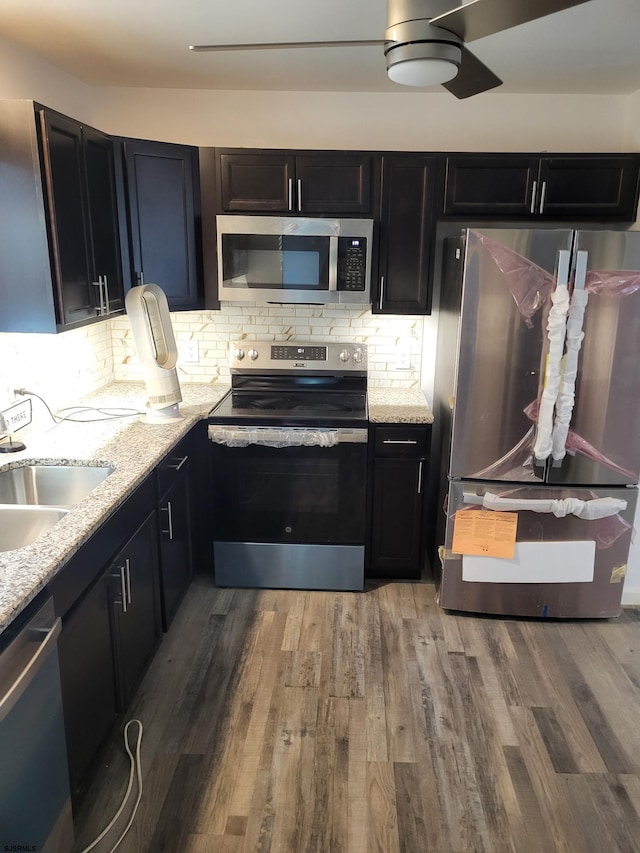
<point x="352" y="263"/>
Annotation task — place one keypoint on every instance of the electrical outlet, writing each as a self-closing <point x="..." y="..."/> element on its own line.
<point x="403" y="356"/>
<point x="189" y="352"/>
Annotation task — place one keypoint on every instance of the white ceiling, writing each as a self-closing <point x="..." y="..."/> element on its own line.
<point x="591" y="48"/>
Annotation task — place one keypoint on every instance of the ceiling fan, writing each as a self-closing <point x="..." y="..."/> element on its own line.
<point x="425" y="40"/>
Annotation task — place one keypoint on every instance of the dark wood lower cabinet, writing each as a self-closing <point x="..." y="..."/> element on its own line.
<point x="88" y="678"/>
<point x="397" y="512"/>
<point x="175" y="528"/>
<point x="134" y="584"/>
<point x="103" y="650"/>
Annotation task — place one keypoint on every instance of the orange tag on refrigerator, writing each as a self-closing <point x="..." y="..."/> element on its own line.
<point x="485" y="534"/>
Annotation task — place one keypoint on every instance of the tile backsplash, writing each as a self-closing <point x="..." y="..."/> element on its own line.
<point x="214" y="330"/>
<point x="60" y="368"/>
<point x="63" y="368"/>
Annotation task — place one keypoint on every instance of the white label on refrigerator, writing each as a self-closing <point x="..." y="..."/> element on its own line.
<point x="535" y="562"/>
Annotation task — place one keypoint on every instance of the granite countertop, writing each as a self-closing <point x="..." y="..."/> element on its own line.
<point x="133" y="447"/>
<point x="398" y="406"/>
<point x="129" y="444"/>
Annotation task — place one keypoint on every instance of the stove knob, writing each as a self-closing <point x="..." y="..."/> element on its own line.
<point x="239" y="354"/>
<point x="345" y="355"/>
<point x="358" y="356"/>
<point x="253" y="354"/>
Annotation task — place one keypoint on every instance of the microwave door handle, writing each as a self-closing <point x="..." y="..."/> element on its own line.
<point x="333" y="263"/>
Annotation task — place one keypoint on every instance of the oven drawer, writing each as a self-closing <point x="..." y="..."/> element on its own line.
<point x="400" y="440"/>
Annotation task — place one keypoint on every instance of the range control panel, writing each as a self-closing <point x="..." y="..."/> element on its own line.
<point x="294" y="356"/>
<point x="305" y="352"/>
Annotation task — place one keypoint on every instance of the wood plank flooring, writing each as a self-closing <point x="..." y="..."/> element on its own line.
<point x="289" y="721"/>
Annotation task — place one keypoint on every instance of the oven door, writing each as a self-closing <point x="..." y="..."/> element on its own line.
<point x="289" y="506"/>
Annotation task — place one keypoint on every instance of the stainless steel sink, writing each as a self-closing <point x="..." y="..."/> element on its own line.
<point x="22" y="525"/>
<point x="50" y="485"/>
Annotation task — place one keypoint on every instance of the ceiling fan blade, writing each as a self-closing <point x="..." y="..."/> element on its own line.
<point x="473" y="77"/>
<point x="482" y="18"/>
<point x="287" y="45"/>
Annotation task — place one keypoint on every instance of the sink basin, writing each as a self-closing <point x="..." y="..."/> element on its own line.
<point x="50" y="485"/>
<point x="22" y="525"/>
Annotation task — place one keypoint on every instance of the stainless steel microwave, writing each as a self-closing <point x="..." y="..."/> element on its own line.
<point x="281" y="259"/>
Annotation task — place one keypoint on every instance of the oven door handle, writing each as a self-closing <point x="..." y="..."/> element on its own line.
<point x="242" y="436"/>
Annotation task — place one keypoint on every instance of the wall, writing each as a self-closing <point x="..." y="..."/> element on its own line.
<point x="409" y="121"/>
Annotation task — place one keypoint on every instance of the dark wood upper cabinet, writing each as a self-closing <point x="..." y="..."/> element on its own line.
<point x="163" y="213"/>
<point x="79" y="178"/>
<point x="406" y="234"/>
<point x="489" y="186"/>
<point x="102" y="203"/>
<point x="59" y="245"/>
<point x="332" y="183"/>
<point x="589" y="188"/>
<point x="583" y="188"/>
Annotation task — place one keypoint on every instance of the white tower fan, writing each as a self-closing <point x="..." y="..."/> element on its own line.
<point x="148" y="311"/>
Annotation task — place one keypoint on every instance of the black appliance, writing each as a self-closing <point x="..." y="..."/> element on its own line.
<point x="289" y="467"/>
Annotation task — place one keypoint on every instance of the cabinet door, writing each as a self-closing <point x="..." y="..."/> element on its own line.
<point x="397" y="518"/>
<point x="490" y="187"/>
<point x="103" y="221"/>
<point x="164" y="216"/>
<point x="135" y="591"/>
<point x="87" y="674"/>
<point x="69" y="230"/>
<point x="257" y="182"/>
<point x="585" y="188"/>
<point x="406" y="237"/>
<point x="333" y="183"/>
<point x="176" y="567"/>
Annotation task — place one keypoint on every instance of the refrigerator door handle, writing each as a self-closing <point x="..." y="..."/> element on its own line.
<point x="556" y="330"/>
<point x="574" y="338"/>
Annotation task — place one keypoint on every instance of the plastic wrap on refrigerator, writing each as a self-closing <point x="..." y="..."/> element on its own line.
<point x="563" y="566"/>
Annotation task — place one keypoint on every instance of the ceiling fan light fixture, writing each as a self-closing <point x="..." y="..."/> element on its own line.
<point x="423" y="64"/>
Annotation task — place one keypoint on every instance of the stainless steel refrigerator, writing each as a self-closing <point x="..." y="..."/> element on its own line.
<point x="537" y="399"/>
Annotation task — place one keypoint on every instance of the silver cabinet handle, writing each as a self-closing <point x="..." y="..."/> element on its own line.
<point x="534" y="193"/>
<point x="299" y="195"/>
<point x="543" y="194"/>
<point x="16" y="690"/>
<point x="179" y="465"/>
<point x="127" y="565"/>
<point x="381" y="292"/>
<point x="420" y="478"/>
<point x="107" y="310"/>
<point x="140" y="277"/>
<point x="123" y="587"/>
<point x="167" y="509"/>
<point x="399" y="441"/>
<point x="290" y="182"/>
<point x="101" y="310"/>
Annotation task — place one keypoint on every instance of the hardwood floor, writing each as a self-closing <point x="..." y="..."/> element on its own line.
<point x="291" y="721"/>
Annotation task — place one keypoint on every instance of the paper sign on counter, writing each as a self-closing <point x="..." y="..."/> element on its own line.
<point x="485" y="534"/>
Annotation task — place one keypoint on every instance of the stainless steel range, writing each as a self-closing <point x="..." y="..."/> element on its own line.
<point x="289" y="466"/>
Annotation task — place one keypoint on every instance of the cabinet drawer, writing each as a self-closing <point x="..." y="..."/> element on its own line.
<point x="401" y="441"/>
<point x="173" y="465"/>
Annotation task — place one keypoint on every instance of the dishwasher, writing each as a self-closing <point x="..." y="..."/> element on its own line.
<point x="35" y="804"/>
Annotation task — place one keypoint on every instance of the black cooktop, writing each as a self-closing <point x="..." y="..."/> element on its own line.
<point x="265" y="407"/>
